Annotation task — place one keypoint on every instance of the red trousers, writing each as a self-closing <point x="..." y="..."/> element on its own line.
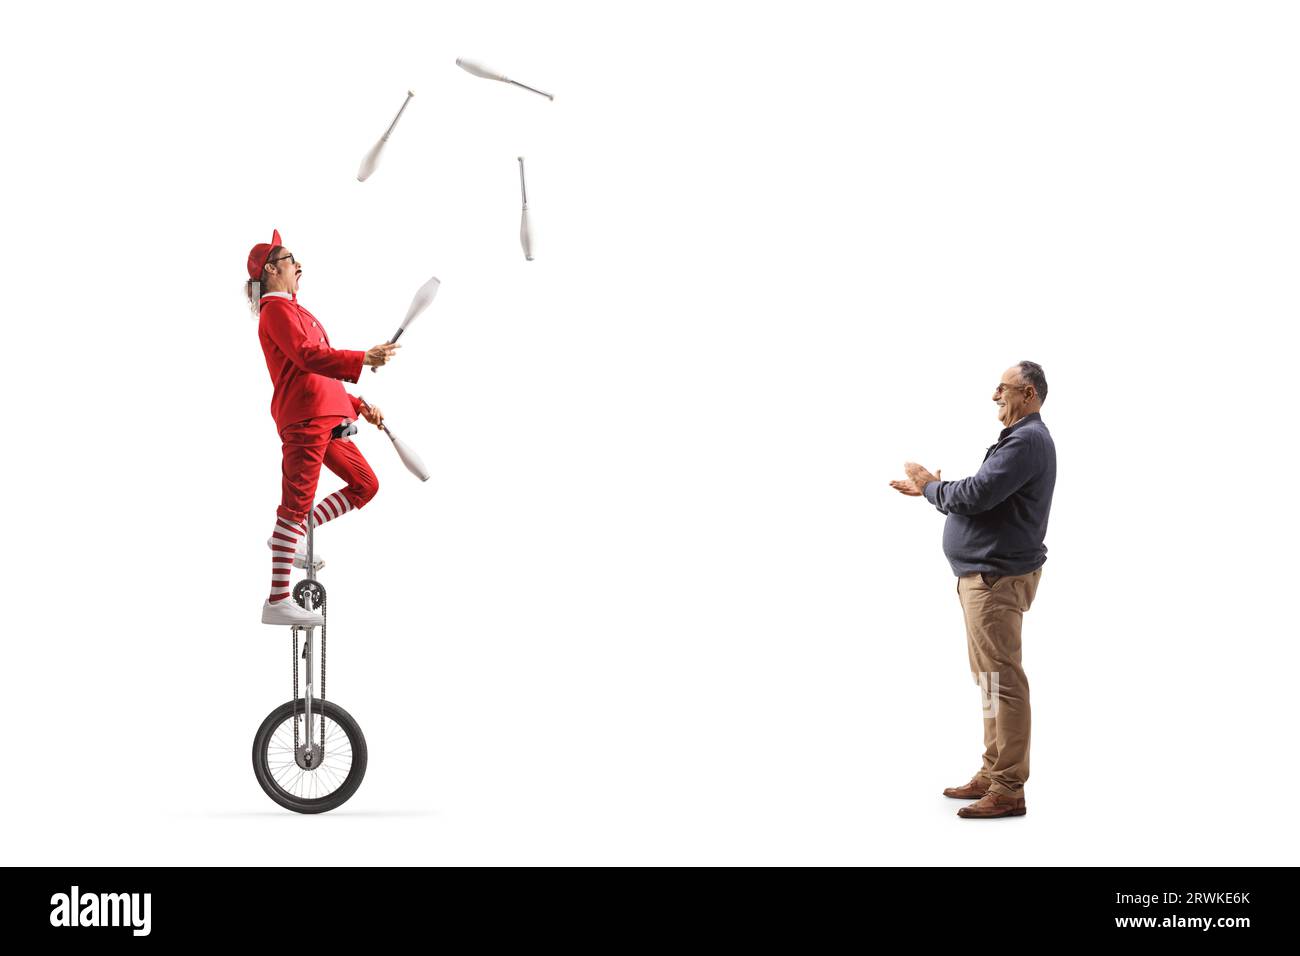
<point x="307" y="445"/>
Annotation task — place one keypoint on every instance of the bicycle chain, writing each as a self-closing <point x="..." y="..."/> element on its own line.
<point x="324" y="622"/>
<point x="294" y="698"/>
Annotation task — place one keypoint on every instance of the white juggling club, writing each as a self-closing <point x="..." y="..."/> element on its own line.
<point x="478" y="69"/>
<point x="525" y="230"/>
<point x="371" y="160"/>
<point x="423" y="296"/>
<point x="409" y="458"/>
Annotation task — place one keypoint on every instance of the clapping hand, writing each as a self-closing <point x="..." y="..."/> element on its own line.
<point x="917" y="478"/>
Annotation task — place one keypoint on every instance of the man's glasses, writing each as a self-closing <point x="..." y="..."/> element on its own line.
<point x="288" y="256"/>
<point x="1003" y="386"/>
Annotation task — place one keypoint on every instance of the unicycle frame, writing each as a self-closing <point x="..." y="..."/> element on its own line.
<point x="308" y="646"/>
<point x="275" y="754"/>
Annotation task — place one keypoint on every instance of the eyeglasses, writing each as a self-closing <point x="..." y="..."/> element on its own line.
<point x="288" y="255"/>
<point x="1003" y="386"/>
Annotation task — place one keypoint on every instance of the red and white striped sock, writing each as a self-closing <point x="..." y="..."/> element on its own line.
<point x="335" y="506"/>
<point x="285" y="540"/>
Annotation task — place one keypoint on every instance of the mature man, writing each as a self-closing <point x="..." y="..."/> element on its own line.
<point x="313" y="414"/>
<point x="993" y="539"/>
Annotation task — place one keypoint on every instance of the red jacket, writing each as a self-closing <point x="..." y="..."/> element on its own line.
<point x="303" y="367"/>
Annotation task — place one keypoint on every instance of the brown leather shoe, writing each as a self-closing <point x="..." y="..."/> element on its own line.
<point x="994" y="804"/>
<point x="977" y="787"/>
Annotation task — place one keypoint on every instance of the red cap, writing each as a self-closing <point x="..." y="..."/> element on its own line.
<point x="260" y="253"/>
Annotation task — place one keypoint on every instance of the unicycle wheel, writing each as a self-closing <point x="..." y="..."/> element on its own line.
<point x="310" y="778"/>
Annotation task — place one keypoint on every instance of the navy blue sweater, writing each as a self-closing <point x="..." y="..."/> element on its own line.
<point x="997" y="518"/>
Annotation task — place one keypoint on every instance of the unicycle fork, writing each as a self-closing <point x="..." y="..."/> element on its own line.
<point x="317" y="598"/>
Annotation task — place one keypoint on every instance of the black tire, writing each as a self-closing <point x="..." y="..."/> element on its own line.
<point x="277" y="777"/>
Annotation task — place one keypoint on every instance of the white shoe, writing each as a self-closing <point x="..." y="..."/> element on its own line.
<point x="299" y="556"/>
<point x="287" y="611"/>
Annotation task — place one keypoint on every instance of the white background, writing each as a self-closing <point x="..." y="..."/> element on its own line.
<point x="658" y="603"/>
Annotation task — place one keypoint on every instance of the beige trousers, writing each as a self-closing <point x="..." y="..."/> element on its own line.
<point x="993" y="607"/>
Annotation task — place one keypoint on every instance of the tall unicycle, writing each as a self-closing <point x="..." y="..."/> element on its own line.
<point x="309" y="755"/>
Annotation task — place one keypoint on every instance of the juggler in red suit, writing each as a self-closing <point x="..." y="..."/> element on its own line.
<point x="309" y="406"/>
